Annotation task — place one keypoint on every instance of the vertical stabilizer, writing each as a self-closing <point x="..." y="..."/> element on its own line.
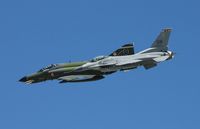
<point x="161" y="42"/>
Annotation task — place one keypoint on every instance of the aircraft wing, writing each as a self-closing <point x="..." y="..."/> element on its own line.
<point x="147" y="64"/>
<point x="127" y="49"/>
<point x="128" y="62"/>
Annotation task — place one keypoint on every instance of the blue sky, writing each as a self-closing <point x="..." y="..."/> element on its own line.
<point x="36" y="33"/>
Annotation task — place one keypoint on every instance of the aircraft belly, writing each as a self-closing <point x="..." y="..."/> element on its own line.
<point x="117" y="68"/>
<point x="76" y="77"/>
<point x="108" y="69"/>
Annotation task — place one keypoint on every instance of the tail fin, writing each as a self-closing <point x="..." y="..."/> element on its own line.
<point x="127" y="49"/>
<point x="161" y="42"/>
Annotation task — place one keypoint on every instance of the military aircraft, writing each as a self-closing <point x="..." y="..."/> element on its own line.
<point x="123" y="59"/>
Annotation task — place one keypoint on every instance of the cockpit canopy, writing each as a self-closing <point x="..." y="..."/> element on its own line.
<point x="98" y="58"/>
<point x="47" y="68"/>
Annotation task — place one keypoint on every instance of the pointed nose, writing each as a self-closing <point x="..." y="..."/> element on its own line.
<point x="24" y="79"/>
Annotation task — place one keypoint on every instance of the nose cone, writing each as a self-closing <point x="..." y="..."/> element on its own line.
<point x="24" y="79"/>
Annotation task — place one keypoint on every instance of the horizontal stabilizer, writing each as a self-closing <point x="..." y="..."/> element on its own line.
<point x="148" y="66"/>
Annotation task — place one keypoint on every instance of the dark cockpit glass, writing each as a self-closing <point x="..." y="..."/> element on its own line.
<point x="47" y="68"/>
<point x="98" y="58"/>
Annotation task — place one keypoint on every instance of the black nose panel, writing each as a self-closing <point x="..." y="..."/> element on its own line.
<point x="24" y="79"/>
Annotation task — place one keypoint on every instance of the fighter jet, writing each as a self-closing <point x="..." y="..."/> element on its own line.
<point x="123" y="59"/>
